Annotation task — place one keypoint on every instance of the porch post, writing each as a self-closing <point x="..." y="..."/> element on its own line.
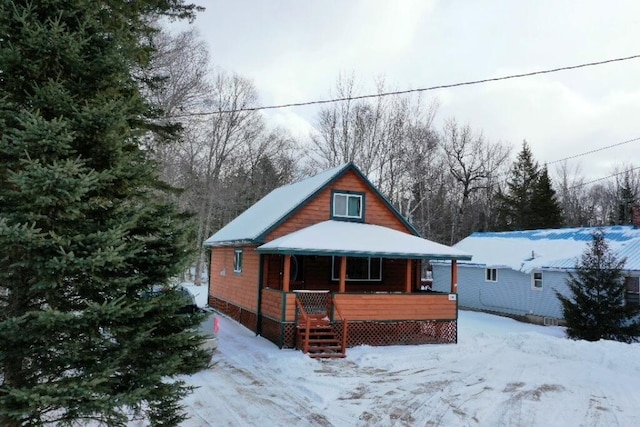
<point x="343" y="275"/>
<point x="286" y="273"/>
<point x="407" y="282"/>
<point x="454" y="276"/>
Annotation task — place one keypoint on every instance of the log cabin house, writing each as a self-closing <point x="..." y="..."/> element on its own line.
<point x="328" y="263"/>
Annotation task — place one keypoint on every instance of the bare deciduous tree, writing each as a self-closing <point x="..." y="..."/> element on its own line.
<point x="474" y="164"/>
<point x="218" y="150"/>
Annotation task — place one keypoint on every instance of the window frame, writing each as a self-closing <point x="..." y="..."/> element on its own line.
<point x="534" y="280"/>
<point x="632" y="297"/>
<point x="348" y="195"/>
<point x="629" y="280"/>
<point x="237" y="260"/>
<point x="487" y="275"/>
<point x="335" y="277"/>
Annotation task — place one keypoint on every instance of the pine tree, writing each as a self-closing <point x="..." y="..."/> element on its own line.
<point x="547" y="212"/>
<point x="83" y="229"/>
<point x="595" y="308"/>
<point x="515" y="206"/>
<point x="622" y="212"/>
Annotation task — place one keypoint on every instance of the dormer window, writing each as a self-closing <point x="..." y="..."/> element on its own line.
<point x="348" y="205"/>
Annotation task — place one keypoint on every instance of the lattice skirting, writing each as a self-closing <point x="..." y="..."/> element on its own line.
<point x="245" y="317"/>
<point x="378" y="333"/>
<point x="375" y="333"/>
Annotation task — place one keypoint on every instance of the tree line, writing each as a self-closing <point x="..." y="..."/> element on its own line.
<point x="449" y="182"/>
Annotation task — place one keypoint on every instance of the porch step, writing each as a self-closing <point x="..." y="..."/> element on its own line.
<point x="322" y="340"/>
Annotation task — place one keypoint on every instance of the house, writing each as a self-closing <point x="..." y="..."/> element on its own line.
<point x="518" y="272"/>
<point x="327" y="263"/>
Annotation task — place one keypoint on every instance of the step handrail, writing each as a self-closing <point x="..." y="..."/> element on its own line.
<point x="307" y="322"/>
<point x="344" y="325"/>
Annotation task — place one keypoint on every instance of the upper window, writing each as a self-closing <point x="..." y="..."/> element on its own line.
<point x="366" y="269"/>
<point x="348" y="205"/>
<point x="237" y="261"/>
<point x="536" y="280"/>
<point x="491" y="275"/>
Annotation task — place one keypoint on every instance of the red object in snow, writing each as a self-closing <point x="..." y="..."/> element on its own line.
<point x="216" y="325"/>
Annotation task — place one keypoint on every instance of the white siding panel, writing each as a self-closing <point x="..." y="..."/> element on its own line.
<point x="511" y="294"/>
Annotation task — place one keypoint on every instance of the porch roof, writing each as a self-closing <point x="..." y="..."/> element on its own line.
<point x="357" y="239"/>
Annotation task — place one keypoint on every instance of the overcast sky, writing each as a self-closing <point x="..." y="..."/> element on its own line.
<point x="294" y="50"/>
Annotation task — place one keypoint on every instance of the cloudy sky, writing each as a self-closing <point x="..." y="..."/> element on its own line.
<point x="294" y="51"/>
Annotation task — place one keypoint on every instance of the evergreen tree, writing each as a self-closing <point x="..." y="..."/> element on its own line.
<point x="547" y="212"/>
<point x="515" y="206"/>
<point x="83" y="229"/>
<point x="622" y="212"/>
<point x="595" y="308"/>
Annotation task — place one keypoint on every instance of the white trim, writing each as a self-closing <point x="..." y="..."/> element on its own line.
<point x="347" y="196"/>
<point x="487" y="277"/>
<point x="237" y="260"/>
<point x="533" y="280"/>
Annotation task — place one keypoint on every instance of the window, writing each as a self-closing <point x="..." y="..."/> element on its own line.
<point x="536" y="280"/>
<point x="491" y="275"/>
<point x="632" y="296"/>
<point x="364" y="269"/>
<point x="237" y="261"/>
<point x="348" y="205"/>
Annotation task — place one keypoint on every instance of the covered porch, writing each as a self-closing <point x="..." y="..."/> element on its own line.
<point x="365" y="280"/>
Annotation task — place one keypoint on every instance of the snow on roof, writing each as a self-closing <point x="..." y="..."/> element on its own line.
<point x="553" y="248"/>
<point x="358" y="239"/>
<point x="249" y="225"/>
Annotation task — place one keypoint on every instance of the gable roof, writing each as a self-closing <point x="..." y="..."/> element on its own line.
<point x="547" y="249"/>
<point x="358" y="239"/>
<point x="255" y="223"/>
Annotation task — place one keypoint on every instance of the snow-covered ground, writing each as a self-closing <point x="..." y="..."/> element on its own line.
<point x="501" y="373"/>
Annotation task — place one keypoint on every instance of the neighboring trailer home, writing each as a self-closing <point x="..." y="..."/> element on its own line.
<point x="327" y="263"/>
<point x="517" y="272"/>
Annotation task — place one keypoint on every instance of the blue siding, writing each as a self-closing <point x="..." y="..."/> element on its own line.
<point x="511" y="294"/>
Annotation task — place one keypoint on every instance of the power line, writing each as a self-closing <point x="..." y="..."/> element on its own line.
<point x="403" y="92"/>
<point x="603" y="178"/>
<point x="594" y="151"/>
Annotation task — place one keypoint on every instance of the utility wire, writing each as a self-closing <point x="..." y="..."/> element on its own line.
<point x="402" y="92"/>
<point x="594" y="151"/>
<point x="606" y="147"/>
<point x="605" y="177"/>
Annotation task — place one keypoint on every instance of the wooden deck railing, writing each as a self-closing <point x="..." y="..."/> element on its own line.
<point x="303" y="318"/>
<point x="345" y="325"/>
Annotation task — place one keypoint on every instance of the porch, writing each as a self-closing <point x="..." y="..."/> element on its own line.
<point x="367" y="318"/>
<point x="386" y="306"/>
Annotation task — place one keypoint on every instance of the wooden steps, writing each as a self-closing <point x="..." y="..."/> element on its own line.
<point x="322" y="340"/>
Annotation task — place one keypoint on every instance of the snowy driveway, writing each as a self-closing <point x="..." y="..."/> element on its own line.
<point x="501" y="373"/>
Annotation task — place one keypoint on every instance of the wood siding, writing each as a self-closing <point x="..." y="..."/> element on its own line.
<point x="290" y="311"/>
<point x="239" y="288"/>
<point x="396" y="306"/>
<point x="272" y="303"/>
<point x="319" y="208"/>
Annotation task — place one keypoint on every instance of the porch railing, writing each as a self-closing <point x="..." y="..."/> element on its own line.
<point x="345" y="325"/>
<point x="305" y="319"/>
